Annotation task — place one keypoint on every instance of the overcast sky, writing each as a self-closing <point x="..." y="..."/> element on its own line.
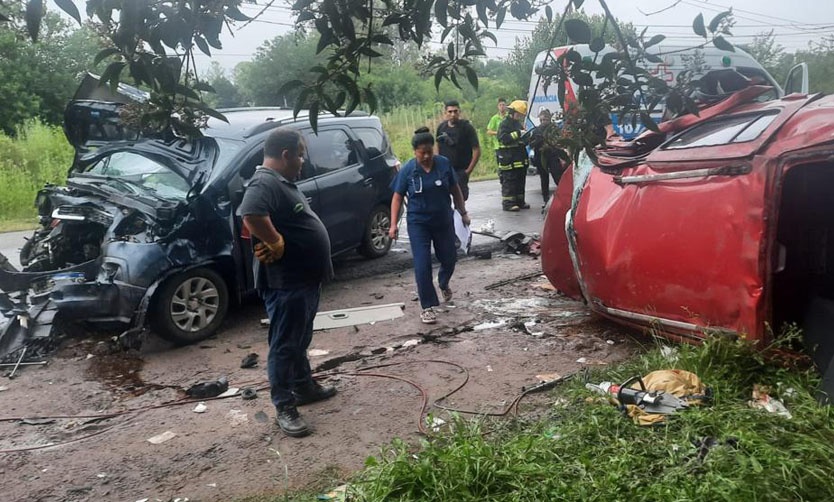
<point x="795" y="23"/>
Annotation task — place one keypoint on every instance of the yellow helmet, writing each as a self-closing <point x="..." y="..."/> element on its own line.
<point x="518" y="106"/>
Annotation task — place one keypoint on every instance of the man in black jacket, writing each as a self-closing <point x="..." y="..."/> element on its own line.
<point x="457" y="140"/>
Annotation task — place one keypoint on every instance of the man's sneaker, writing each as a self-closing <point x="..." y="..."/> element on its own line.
<point x="428" y="316"/>
<point x="291" y="422"/>
<point x="313" y="393"/>
<point x="447" y="294"/>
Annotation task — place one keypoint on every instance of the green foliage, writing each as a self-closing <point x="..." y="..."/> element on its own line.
<point x="38" y="154"/>
<point x="586" y="450"/>
<point x="37" y="80"/>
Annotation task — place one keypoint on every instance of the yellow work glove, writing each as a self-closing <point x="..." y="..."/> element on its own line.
<point x="269" y="252"/>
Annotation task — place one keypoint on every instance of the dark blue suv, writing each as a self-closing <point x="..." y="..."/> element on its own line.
<point x="145" y="230"/>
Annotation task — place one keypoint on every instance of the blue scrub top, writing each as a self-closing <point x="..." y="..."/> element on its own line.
<point x="429" y="193"/>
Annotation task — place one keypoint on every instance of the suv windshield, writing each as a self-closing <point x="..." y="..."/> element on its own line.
<point x="133" y="173"/>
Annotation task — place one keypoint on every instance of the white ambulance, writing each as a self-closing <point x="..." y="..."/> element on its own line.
<point x="675" y="59"/>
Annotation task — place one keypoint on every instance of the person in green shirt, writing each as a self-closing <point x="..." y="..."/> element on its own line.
<point x="494" y="122"/>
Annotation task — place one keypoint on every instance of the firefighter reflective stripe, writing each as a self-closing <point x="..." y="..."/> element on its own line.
<point x="514" y="165"/>
<point x="514" y="134"/>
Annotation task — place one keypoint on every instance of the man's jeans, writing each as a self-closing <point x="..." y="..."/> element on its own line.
<point x="441" y="231"/>
<point x="291" y="314"/>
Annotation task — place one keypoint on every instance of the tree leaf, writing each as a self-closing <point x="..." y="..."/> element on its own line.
<point x="232" y="12"/>
<point x="440" y="8"/>
<point x="438" y="77"/>
<point x="314" y="116"/>
<point x="577" y="3"/>
<point x="211" y="112"/>
<point x="713" y="25"/>
<point x="104" y="54"/>
<point x="454" y="79"/>
<point x="480" y="7"/>
<point x="490" y="35"/>
<point x="69" y="7"/>
<point x="648" y="121"/>
<point x="204" y="86"/>
<point x="370" y="98"/>
<point x="597" y="44"/>
<point x="299" y="103"/>
<point x="548" y="11"/>
<point x="499" y="17"/>
<point x="187" y="92"/>
<point x="202" y="45"/>
<point x="655" y="40"/>
<point x="653" y="58"/>
<point x="450" y="50"/>
<point x="34" y="14"/>
<point x="472" y="76"/>
<point x="698" y="26"/>
<point x="723" y="44"/>
<point x="111" y="74"/>
<point x="578" y="31"/>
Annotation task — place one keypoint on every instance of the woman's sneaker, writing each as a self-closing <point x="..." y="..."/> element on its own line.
<point x="447" y="294"/>
<point x="428" y="316"/>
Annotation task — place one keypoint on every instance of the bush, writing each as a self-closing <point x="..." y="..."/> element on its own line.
<point x="40" y="154"/>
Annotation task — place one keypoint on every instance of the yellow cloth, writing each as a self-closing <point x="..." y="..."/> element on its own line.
<point x="683" y="384"/>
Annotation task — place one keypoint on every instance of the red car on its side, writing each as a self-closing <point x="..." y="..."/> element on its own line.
<point x="718" y="223"/>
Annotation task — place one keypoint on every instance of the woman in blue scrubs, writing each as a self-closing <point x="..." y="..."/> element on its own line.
<point x="428" y="182"/>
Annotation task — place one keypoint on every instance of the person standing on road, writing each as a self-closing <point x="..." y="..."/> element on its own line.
<point x="428" y="181"/>
<point x="457" y="140"/>
<point x="547" y="156"/>
<point x="512" y="158"/>
<point x="495" y="122"/>
<point x="292" y="248"/>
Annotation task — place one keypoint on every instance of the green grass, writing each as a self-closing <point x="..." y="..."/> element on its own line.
<point x="586" y="450"/>
<point x="401" y="123"/>
<point x="40" y="154"/>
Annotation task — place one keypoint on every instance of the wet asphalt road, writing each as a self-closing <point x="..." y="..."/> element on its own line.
<point x="484" y="204"/>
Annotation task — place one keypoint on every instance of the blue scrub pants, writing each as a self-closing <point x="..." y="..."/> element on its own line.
<point x="291" y="314"/>
<point x="441" y="232"/>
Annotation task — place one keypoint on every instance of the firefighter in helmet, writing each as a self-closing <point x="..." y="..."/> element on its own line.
<point x="512" y="157"/>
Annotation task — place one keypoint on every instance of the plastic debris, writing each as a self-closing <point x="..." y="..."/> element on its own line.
<point x="489" y="367"/>
<point x="161" y="438"/>
<point x="411" y="343"/>
<point x="488" y="227"/>
<point x="762" y="399"/>
<point x="489" y="325"/>
<point x="317" y="352"/>
<point x="669" y="353"/>
<point x="231" y="391"/>
<point x="582" y="360"/>
<point x="200" y="408"/>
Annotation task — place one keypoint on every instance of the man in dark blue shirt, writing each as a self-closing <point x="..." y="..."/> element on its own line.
<point x="293" y="259"/>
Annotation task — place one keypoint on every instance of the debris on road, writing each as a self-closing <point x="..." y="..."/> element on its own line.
<point x="250" y="361"/>
<point x="200" y="408"/>
<point x="161" y="438"/>
<point x="208" y="389"/>
<point x="248" y="393"/>
<point x="763" y="400"/>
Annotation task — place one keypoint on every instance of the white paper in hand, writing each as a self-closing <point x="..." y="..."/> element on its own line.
<point x="463" y="236"/>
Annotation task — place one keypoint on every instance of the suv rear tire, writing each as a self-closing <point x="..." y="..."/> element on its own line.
<point x="190" y="306"/>
<point x="376" y="242"/>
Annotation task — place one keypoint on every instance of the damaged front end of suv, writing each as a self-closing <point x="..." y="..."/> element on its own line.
<point x="132" y="231"/>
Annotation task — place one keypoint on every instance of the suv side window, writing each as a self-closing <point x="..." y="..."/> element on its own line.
<point x="330" y="150"/>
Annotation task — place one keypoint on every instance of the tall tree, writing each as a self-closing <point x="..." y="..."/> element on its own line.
<point x="154" y="41"/>
<point x="226" y="93"/>
<point x="37" y="80"/>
